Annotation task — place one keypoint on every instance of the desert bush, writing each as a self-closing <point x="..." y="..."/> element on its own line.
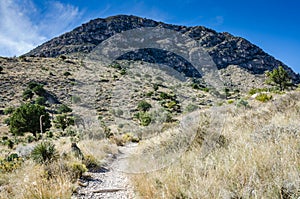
<point x="63" y="121"/>
<point x="143" y="117"/>
<point x="115" y="65"/>
<point x="63" y="109"/>
<point x="227" y="92"/>
<point x="242" y="103"/>
<point x="149" y="94"/>
<point x="257" y="90"/>
<point x="32" y="85"/>
<point x="230" y="101"/>
<point x="44" y="153"/>
<point x="30" y="138"/>
<point x="155" y="87"/>
<point x="39" y="90"/>
<point x="251" y="158"/>
<point x="27" y="94"/>
<point x="10" y="163"/>
<point x="143" y="106"/>
<point x="263" y="97"/>
<point x="164" y="95"/>
<point x="40" y="101"/>
<point x="26" y="118"/>
<point x="123" y="71"/>
<point x="67" y="74"/>
<point x="76" y="170"/>
<point x="90" y="162"/>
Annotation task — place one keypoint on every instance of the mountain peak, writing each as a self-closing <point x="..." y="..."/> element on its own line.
<point x="224" y="48"/>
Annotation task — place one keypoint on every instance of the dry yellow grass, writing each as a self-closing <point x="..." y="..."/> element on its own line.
<point x="30" y="182"/>
<point x="56" y="180"/>
<point x="261" y="159"/>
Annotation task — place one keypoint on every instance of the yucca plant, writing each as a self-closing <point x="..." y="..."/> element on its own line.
<point x="44" y="153"/>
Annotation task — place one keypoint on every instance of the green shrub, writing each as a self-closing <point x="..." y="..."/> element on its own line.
<point x="32" y="85"/>
<point x="11" y="163"/>
<point x="144" y="118"/>
<point x="30" y="138"/>
<point x="263" y="97"/>
<point x="90" y="162"/>
<point x="227" y="92"/>
<point x="149" y="94"/>
<point x="64" y="109"/>
<point x="242" y="103"/>
<point x="40" y="101"/>
<point x="257" y="90"/>
<point x="26" y="118"/>
<point x="155" y="87"/>
<point x="39" y="90"/>
<point x="164" y="95"/>
<point x="44" y="153"/>
<point x="205" y="89"/>
<point x="279" y="77"/>
<point x="230" y="101"/>
<point x="77" y="169"/>
<point x="27" y="94"/>
<point x="9" y="143"/>
<point x="116" y="66"/>
<point x="143" y="106"/>
<point x="123" y="71"/>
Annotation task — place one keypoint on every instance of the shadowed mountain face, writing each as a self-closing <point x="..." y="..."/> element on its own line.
<point x="223" y="48"/>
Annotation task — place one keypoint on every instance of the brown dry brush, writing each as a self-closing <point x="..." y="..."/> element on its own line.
<point x="251" y="154"/>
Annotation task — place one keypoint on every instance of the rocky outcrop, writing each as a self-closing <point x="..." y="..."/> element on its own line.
<point x="224" y="48"/>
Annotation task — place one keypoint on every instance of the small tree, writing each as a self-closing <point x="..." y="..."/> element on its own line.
<point x="278" y="77"/>
<point x="27" y="117"/>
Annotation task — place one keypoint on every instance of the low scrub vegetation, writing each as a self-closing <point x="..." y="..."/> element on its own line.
<point x="255" y="156"/>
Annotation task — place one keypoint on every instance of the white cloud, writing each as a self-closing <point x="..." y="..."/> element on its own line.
<point x="24" y="26"/>
<point x="59" y="18"/>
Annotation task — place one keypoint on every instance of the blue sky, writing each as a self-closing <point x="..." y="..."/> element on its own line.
<point x="272" y="25"/>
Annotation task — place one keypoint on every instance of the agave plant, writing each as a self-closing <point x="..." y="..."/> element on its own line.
<point x="44" y="153"/>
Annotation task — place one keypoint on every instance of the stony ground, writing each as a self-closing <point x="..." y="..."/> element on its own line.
<point x="109" y="181"/>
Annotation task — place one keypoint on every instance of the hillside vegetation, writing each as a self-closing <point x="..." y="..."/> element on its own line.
<point x="237" y="153"/>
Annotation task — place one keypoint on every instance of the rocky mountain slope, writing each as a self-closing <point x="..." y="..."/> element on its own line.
<point x="224" y="48"/>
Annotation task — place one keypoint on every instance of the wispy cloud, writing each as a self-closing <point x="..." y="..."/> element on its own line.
<point x="217" y="21"/>
<point x="58" y="18"/>
<point x="24" y="26"/>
